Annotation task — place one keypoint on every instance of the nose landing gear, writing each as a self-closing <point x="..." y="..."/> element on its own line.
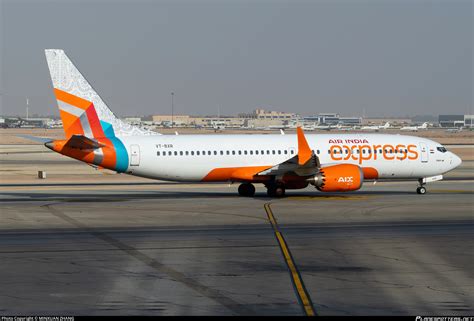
<point x="421" y="189"/>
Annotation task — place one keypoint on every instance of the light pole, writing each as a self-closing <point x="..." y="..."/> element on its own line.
<point x="172" y="109"/>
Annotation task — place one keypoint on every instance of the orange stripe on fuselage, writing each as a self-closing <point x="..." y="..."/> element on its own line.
<point x="71" y="99"/>
<point x="236" y="174"/>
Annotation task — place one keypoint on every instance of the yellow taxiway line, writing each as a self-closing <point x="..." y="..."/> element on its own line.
<point x="302" y="294"/>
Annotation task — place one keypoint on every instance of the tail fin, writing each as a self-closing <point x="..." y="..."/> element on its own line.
<point x="82" y="111"/>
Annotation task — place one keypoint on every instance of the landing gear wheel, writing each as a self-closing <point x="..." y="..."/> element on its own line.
<point x="246" y="189"/>
<point x="276" y="191"/>
<point x="279" y="191"/>
<point x="271" y="191"/>
<point x="421" y="190"/>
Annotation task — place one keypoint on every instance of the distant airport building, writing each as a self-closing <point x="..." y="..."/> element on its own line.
<point x="166" y="119"/>
<point x="451" y="120"/>
<point x="332" y="119"/>
<point x="391" y="120"/>
<point x="469" y="121"/>
<point x="270" y="114"/>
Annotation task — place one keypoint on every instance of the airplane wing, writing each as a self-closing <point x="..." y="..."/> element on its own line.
<point x="83" y="142"/>
<point x="305" y="163"/>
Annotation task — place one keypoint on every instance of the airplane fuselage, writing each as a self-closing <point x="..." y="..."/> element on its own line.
<point x="195" y="157"/>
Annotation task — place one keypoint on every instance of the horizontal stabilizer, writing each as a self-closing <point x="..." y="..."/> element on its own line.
<point x="36" y="139"/>
<point x="83" y="142"/>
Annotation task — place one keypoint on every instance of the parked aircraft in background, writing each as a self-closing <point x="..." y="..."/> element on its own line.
<point x="329" y="162"/>
<point x="454" y="130"/>
<point x="414" y="128"/>
<point x="376" y="127"/>
<point x="218" y="125"/>
<point x="344" y="128"/>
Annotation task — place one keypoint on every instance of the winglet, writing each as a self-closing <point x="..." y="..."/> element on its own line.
<point x="304" y="152"/>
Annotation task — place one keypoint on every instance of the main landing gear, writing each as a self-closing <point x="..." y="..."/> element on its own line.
<point x="275" y="190"/>
<point x="246" y="189"/>
<point x="421" y="189"/>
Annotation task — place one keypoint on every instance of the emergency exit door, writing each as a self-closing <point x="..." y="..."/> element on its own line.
<point x="134" y="155"/>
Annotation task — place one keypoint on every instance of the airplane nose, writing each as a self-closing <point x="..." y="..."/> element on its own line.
<point x="455" y="160"/>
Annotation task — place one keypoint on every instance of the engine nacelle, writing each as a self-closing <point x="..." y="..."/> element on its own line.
<point x="338" y="178"/>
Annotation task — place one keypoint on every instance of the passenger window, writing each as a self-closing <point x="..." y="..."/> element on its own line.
<point x="317" y="152"/>
<point x="292" y="152"/>
<point x="251" y="152"/>
<point x="192" y="152"/>
<point x="279" y="152"/>
<point x="169" y="153"/>
<point x="285" y="152"/>
<point x="208" y="152"/>
<point x="181" y="153"/>
<point x="222" y="152"/>
<point x="227" y="152"/>
<point x="262" y="152"/>
<point x="233" y="152"/>
<point x="245" y="152"/>
<point x="240" y="152"/>
<point x="157" y="153"/>
<point x="256" y="152"/>
<point x="187" y="153"/>
<point x="268" y="152"/>
<point x="273" y="152"/>
<point x="197" y="153"/>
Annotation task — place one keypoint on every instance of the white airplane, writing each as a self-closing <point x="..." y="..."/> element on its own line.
<point x="329" y="162"/>
<point x="454" y="130"/>
<point x="344" y="128"/>
<point x="414" y="128"/>
<point x="376" y="127"/>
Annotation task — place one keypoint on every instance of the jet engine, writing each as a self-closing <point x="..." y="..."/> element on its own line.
<point x="338" y="178"/>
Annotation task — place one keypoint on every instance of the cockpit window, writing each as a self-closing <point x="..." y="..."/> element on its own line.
<point x="442" y="149"/>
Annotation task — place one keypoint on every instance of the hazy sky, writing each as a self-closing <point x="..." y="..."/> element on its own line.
<point x="384" y="57"/>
